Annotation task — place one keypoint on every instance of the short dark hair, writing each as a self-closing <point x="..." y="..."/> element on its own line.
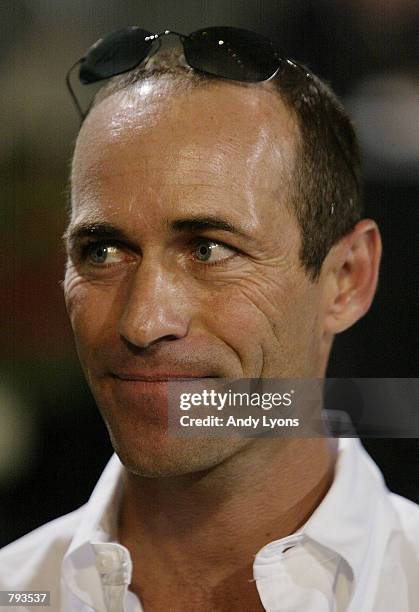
<point x="325" y="189"/>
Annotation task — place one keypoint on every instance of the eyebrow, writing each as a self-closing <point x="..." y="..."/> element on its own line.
<point x="201" y="223"/>
<point x="100" y="230"/>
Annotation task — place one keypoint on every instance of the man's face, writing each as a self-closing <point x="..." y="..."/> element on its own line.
<point x="191" y="264"/>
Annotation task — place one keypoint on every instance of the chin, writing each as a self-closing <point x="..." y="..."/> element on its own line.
<point x="156" y="454"/>
<point x="139" y="435"/>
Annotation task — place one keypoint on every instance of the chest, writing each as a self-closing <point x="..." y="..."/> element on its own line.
<point x="231" y="597"/>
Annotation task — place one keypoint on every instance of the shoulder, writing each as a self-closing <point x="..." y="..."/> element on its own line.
<point x="408" y="515"/>
<point x="397" y="580"/>
<point x="34" y="560"/>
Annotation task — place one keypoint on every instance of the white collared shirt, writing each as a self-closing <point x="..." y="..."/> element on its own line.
<point x="358" y="551"/>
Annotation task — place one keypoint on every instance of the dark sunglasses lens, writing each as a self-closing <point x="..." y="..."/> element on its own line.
<point x="115" y="53"/>
<point x="231" y="53"/>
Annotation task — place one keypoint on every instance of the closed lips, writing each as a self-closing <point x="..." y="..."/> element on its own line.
<point x="157" y="377"/>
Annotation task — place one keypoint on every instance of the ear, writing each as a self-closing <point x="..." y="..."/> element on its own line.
<point x="351" y="275"/>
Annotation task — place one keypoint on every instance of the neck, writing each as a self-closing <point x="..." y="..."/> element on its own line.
<point x="263" y="493"/>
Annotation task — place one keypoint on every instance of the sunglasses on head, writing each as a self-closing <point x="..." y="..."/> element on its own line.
<point x="226" y="52"/>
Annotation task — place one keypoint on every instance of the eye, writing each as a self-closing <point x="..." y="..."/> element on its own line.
<point x="102" y="253"/>
<point x="212" y="252"/>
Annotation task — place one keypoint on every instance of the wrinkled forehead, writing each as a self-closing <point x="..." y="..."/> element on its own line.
<point x="221" y="134"/>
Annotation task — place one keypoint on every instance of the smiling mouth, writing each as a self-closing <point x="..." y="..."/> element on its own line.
<point x="157" y="377"/>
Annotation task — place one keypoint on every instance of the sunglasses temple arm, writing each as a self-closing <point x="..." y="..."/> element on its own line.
<point x="71" y="91"/>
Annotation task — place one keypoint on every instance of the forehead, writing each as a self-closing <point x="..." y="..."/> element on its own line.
<point x="218" y="138"/>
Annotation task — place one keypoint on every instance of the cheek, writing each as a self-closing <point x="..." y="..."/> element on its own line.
<point x="241" y="315"/>
<point x="92" y="311"/>
<point x="272" y="324"/>
<point x="297" y="331"/>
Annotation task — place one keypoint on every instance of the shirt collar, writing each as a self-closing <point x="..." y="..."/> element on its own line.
<point x="354" y="517"/>
<point x="100" y="513"/>
<point x="98" y="525"/>
<point x="351" y="519"/>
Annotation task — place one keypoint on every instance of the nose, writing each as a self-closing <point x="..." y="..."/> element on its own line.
<point x="155" y="308"/>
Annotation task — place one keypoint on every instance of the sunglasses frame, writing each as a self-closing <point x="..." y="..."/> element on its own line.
<point x="157" y="37"/>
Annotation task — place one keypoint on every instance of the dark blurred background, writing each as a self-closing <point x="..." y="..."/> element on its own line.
<point x="53" y="444"/>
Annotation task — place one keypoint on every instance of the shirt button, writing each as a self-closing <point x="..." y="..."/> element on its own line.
<point x="107" y="562"/>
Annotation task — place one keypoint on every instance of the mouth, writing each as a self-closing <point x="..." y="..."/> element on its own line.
<point x="158" y="376"/>
<point x="149" y="395"/>
<point x="135" y="389"/>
